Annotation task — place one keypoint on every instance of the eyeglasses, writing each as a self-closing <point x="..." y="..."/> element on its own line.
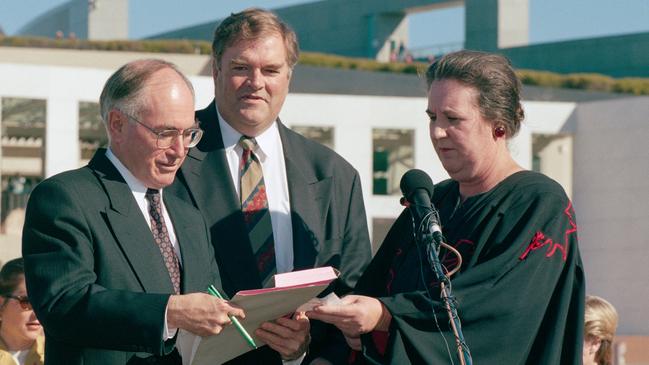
<point x="166" y="138"/>
<point x="22" y="300"/>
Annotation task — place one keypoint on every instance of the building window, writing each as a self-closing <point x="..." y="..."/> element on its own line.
<point x="380" y="228"/>
<point x="92" y="132"/>
<point x="322" y="135"/>
<point x="552" y="156"/>
<point x="392" y="156"/>
<point x="23" y="150"/>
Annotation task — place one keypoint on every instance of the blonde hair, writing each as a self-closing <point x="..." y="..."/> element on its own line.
<point x="600" y="323"/>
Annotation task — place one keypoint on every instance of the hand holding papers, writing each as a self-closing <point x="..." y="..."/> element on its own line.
<point x="289" y="336"/>
<point x="213" y="291"/>
<point x="262" y="305"/>
<point x="354" y="316"/>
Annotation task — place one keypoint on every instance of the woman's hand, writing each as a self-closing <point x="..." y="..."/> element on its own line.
<point x="354" y="316"/>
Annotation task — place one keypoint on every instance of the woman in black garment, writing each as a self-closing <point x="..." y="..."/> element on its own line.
<point x="520" y="286"/>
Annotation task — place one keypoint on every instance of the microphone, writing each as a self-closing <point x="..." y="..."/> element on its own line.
<point x="417" y="189"/>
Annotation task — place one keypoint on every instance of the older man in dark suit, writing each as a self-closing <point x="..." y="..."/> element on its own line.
<point x="115" y="269"/>
<point x="274" y="200"/>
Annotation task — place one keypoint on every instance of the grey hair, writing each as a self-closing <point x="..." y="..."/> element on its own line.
<point x="123" y="89"/>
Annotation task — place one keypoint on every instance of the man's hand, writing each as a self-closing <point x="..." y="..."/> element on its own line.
<point x="354" y="316"/>
<point x="289" y="337"/>
<point x="200" y="313"/>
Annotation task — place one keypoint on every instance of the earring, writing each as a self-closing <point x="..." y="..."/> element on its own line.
<point x="499" y="131"/>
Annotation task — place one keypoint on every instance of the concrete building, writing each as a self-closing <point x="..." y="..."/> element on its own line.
<point x="82" y="19"/>
<point x="377" y="28"/>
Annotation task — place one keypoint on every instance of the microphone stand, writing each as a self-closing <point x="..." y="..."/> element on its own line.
<point x="432" y="242"/>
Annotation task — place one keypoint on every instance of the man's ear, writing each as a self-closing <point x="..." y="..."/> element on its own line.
<point x="117" y="122"/>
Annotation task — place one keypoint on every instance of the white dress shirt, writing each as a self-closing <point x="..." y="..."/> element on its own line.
<point x="270" y="152"/>
<point x="271" y="155"/>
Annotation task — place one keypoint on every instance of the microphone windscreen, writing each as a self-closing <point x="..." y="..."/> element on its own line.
<point x="416" y="179"/>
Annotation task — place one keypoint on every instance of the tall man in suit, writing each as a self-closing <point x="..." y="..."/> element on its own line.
<point x="274" y="200"/>
<point x="114" y="269"/>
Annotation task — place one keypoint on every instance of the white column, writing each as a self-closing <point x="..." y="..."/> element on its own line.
<point x="61" y="134"/>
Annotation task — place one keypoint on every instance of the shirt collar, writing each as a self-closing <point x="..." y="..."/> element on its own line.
<point x="136" y="186"/>
<point x="267" y="141"/>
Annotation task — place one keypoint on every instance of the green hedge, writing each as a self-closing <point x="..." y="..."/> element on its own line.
<point x="582" y="81"/>
<point x="156" y="46"/>
<point x="586" y="81"/>
<point x="332" y="61"/>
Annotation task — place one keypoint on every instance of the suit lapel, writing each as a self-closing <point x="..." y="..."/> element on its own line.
<point x="206" y="171"/>
<point x="207" y="175"/>
<point x="309" y="200"/>
<point x="130" y="229"/>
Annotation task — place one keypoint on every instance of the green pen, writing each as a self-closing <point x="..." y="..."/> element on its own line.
<point x="213" y="291"/>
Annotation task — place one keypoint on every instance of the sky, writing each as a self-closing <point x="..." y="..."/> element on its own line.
<point x="550" y="20"/>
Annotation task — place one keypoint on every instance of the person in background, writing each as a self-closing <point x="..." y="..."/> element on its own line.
<point x="21" y="335"/>
<point x="520" y="285"/>
<point x="115" y="266"/>
<point x="600" y="323"/>
<point x="274" y="200"/>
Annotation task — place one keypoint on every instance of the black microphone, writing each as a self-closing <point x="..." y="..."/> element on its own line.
<point x="417" y="189"/>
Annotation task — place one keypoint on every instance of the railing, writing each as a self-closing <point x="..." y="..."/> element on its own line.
<point x="434" y="51"/>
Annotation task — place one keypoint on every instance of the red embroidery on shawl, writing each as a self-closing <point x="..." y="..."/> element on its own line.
<point x="380" y="339"/>
<point x="450" y="260"/>
<point x="540" y="240"/>
<point x="353" y="355"/>
<point x="392" y="273"/>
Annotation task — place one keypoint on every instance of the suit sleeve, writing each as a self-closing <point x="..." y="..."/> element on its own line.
<point x="357" y="252"/>
<point x="523" y="295"/>
<point x="59" y="251"/>
<point x="327" y="341"/>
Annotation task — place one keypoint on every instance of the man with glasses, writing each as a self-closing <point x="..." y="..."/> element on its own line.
<point x="115" y="268"/>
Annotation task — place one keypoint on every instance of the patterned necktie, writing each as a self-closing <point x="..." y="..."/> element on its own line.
<point x="161" y="237"/>
<point x="254" y="205"/>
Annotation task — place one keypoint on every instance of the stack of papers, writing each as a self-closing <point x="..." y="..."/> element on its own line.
<point x="291" y="290"/>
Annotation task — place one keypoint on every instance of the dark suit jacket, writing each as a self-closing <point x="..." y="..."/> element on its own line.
<point x="327" y="213"/>
<point x="95" y="276"/>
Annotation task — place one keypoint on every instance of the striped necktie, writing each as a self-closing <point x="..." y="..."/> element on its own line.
<point x="161" y="237"/>
<point x="254" y="205"/>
